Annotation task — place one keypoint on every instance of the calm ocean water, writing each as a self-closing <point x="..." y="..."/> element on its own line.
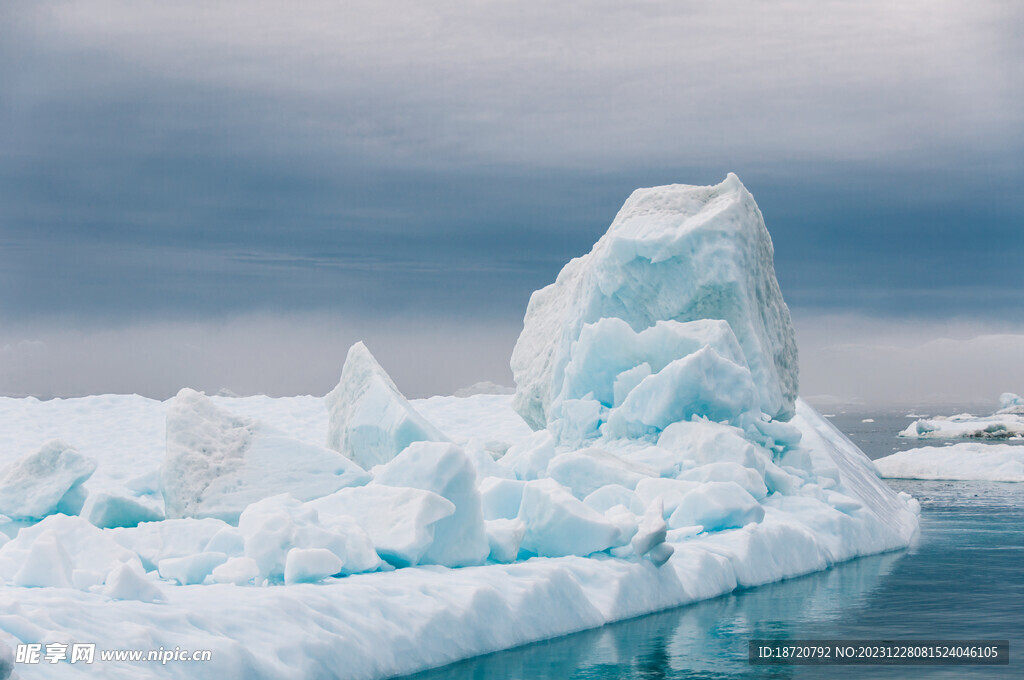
<point x="963" y="578"/>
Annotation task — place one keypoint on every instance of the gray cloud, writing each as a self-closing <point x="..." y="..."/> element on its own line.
<point x="850" y="358"/>
<point x="166" y="166"/>
<point x="844" y="358"/>
<point x="567" y="83"/>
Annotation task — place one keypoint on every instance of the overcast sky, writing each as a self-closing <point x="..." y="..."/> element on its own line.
<point x="259" y="184"/>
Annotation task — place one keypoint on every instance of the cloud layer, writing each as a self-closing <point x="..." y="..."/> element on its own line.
<point x="848" y="359"/>
<point x="167" y="169"/>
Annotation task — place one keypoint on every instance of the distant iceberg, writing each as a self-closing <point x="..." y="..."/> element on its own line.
<point x="1006" y="423"/>
<point x="967" y="461"/>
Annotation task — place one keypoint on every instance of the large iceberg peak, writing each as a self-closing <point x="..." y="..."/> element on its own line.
<point x="673" y="253"/>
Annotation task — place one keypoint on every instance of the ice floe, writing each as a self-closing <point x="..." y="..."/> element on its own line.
<point x="966" y="461"/>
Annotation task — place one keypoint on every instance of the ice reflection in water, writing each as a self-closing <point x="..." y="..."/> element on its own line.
<point x="706" y="639"/>
<point x="961" y="579"/>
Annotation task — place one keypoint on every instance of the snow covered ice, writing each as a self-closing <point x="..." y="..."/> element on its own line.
<point x="672" y="461"/>
<point x="218" y="463"/>
<point x="967" y="461"/>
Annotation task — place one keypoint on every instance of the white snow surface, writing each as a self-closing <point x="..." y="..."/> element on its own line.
<point x="673" y="253"/>
<point x="968" y="461"/>
<point x="391" y="622"/>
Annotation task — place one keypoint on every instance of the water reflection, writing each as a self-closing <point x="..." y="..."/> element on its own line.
<point x="961" y="579"/>
<point x="703" y="640"/>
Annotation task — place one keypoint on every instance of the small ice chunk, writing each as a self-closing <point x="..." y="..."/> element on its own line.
<point x="360" y="555"/>
<point x="459" y="540"/>
<point x="703" y="384"/>
<point x="504" y="536"/>
<point x="272" y="527"/>
<point x="47" y="564"/>
<point x="483" y="460"/>
<point x="529" y="458"/>
<point x="670" y="491"/>
<point x="652" y="530"/>
<point x="627" y="380"/>
<point x="777" y="480"/>
<point x="774" y="434"/>
<point x="501" y="497"/>
<point x="625" y="521"/>
<point x="717" y="506"/>
<point x="706" y="442"/>
<point x="239" y="571"/>
<point x="40" y="483"/>
<point x="728" y="472"/>
<point x="309" y="565"/>
<point x="400" y="522"/>
<point x="87" y="547"/>
<point x="660" y="554"/>
<point x="370" y="421"/>
<point x="590" y="469"/>
<point x="109" y="511"/>
<point x="128" y="582"/>
<point x="191" y="569"/>
<point x="228" y="541"/>
<point x="609" y="496"/>
<point x="559" y="524"/>
<point x="156" y="541"/>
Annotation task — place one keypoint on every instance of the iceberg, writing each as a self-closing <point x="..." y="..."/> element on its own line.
<point x="1006" y="423"/>
<point x="1011" y="403"/>
<point x="661" y="457"/>
<point x="967" y="462"/>
<point x="370" y="421"/>
<point x="218" y="463"/>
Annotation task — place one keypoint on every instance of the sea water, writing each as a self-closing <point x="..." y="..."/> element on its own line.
<point x="963" y="578"/>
